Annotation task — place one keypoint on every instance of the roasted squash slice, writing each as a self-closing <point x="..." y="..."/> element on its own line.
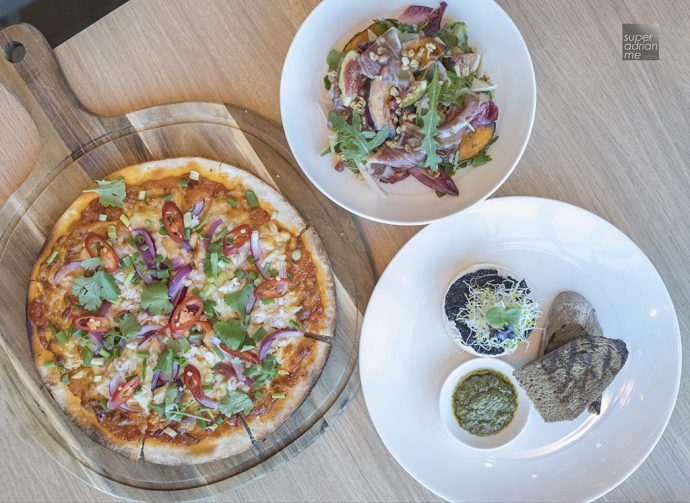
<point x="475" y="141"/>
<point x="422" y="52"/>
<point x="363" y="36"/>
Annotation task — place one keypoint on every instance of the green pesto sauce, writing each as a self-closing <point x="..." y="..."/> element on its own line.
<point x="484" y="402"/>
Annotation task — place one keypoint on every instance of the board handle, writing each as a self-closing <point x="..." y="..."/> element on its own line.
<point x="29" y="70"/>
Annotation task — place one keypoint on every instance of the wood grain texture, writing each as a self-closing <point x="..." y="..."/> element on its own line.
<point x="610" y="136"/>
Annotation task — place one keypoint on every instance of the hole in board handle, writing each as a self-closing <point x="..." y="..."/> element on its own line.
<point x="14" y="52"/>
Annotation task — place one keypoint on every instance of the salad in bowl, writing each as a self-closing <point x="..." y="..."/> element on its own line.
<point x="408" y="97"/>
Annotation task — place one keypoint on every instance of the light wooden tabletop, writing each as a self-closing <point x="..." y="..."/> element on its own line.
<point x="610" y="136"/>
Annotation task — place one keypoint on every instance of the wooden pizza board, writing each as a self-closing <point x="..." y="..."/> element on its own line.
<point x="77" y="148"/>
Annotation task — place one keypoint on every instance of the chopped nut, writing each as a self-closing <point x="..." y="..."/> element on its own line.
<point x="390" y="143"/>
<point x="394" y="91"/>
<point x="407" y="147"/>
<point x="373" y="56"/>
<point x="414" y="64"/>
<point x="430" y="47"/>
<point x="380" y="50"/>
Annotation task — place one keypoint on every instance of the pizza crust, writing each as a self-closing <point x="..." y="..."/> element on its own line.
<point x="263" y="425"/>
<point x="324" y="277"/>
<point x="211" y="448"/>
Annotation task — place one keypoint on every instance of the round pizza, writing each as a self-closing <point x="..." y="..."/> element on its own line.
<point x="180" y="310"/>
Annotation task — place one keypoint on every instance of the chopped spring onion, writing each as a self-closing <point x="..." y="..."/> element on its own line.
<point x="231" y="201"/>
<point x="182" y="183"/>
<point x="97" y="378"/>
<point x="102" y="217"/>
<point x="49" y="365"/>
<point x="193" y="175"/>
<point x="61" y="336"/>
<point x="142" y="195"/>
<point x="65" y="379"/>
<point x="167" y="197"/>
<point x="259" y="395"/>
<point x="187" y="218"/>
<point x="296" y="255"/>
<point x="98" y="361"/>
<point x="251" y="198"/>
<point x="143" y="354"/>
<point x="112" y="233"/>
<point x="170" y="432"/>
<point x="125" y="221"/>
<point x="104" y="352"/>
<point x="278" y="394"/>
<point x="88" y="356"/>
<point x="52" y="257"/>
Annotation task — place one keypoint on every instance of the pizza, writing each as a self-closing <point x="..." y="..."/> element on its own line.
<point x="180" y="310"/>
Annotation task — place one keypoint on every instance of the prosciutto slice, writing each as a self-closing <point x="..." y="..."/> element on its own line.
<point x="457" y="120"/>
<point x="382" y="61"/>
<point x="398" y="157"/>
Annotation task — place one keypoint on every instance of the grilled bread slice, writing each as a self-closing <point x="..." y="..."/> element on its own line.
<point x="571" y="316"/>
<point x="565" y="381"/>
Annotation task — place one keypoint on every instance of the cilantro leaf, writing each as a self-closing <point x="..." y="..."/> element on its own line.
<point x="212" y="258"/>
<point x="91" y="291"/>
<point x="352" y="142"/>
<point x="454" y="36"/>
<point x="239" y="300"/>
<point x="267" y="371"/>
<point x="91" y="263"/>
<point x="231" y="333"/>
<point x="234" y="402"/>
<point x="154" y="297"/>
<point x="128" y="324"/>
<point x="110" y="192"/>
<point x="481" y="158"/>
<point x="431" y="119"/>
<point x="165" y="363"/>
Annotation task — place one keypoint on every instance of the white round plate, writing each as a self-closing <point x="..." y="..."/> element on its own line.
<point x="405" y="353"/>
<point x="330" y="25"/>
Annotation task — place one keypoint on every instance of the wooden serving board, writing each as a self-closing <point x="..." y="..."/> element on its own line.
<point x="77" y="148"/>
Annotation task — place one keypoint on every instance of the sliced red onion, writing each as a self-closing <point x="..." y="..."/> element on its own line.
<point x="148" y="328"/>
<point x="186" y="246"/>
<point x="97" y="337"/>
<point x="179" y="298"/>
<point x="226" y="369"/>
<point x="205" y="400"/>
<point x="144" y="275"/>
<point x="255" y="245"/>
<point x="105" y="307"/>
<point x="175" y="373"/>
<point x="149" y="254"/>
<point x="154" y="380"/>
<point x="268" y="341"/>
<point x="239" y="372"/>
<point x="176" y="281"/>
<point x="197" y="208"/>
<point x="206" y="242"/>
<point x="64" y="270"/>
<point x="213" y="227"/>
<point x="177" y="262"/>
<point x="252" y="301"/>
<point x="115" y="382"/>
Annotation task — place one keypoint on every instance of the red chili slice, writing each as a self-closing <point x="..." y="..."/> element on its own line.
<point x="272" y="289"/>
<point x="236" y="238"/>
<point x="97" y="246"/>
<point x="192" y="379"/>
<point x="247" y="356"/>
<point x="173" y="221"/>
<point x="187" y="313"/>
<point x="92" y="323"/>
<point x="123" y="393"/>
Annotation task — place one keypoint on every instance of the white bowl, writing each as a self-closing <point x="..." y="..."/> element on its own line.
<point x="450" y="327"/>
<point x="330" y="25"/>
<point x="506" y="435"/>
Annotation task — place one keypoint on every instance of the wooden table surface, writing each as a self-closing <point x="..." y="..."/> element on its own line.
<point x="610" y="136"/>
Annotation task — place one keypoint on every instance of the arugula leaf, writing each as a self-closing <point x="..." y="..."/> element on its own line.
<point x="165" y="363"/>
<point x="110" y="192"/>
<point x="239" y="300"/>
<point x="267" y="371"/>
<point x="333" y="59"/>
<point x="431" y="120"/>
<point x="231" y="333"/>
<point x="128" y="324"/>
<point x="387" y="24"/>
<point x="234" y="402"/>
<point x="154" y="297"/>
<point x="91" y="291"/>
<point x="352" y="142"/>
<point x="454" y="35"/>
